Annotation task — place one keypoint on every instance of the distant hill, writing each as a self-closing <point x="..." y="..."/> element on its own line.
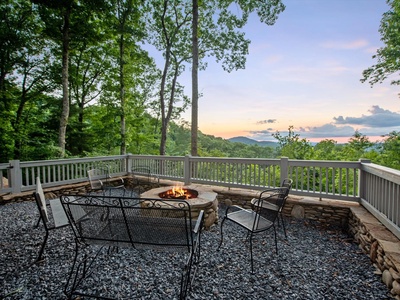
<point x="247" y="141"/>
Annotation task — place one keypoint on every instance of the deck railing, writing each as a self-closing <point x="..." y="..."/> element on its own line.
<point x="374" y="186"/>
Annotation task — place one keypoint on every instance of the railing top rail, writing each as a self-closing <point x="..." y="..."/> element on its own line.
<point x="155" y="157"/>
<point x="4" y="166"/>
<point x="324" y="163"/>
<point x="236" y="160"/>
<point x="381" y="171"/>
<point x="70" y="160"/>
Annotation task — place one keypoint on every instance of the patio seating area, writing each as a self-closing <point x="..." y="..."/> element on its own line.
<point x="314" y="262"/>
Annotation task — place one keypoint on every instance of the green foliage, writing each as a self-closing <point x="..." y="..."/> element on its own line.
<point x="390" y="153"/>
<point x="292" y="146"/>
<point x="30" y="85"/>
<point x="326" y="150"/>
<point x="357" y="146"/>
<point x="388" y="57"/>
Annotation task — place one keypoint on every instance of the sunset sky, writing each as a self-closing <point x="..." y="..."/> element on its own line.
<point x="304" y="71"/>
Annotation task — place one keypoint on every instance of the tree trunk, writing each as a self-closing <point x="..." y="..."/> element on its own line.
<point x="122" y="94"/>
<point x="195" y="79"/>
<point x="164" y="122"/>
<point x="65" y="99"/>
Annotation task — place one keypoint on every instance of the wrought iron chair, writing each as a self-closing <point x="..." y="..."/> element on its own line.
<point x="143" y="176"/>
<point x="100" y="178"/>
<point x="256" y="220"/>
<point x="283" y="190"/>
<point x="116" y="222"/>
<point x="56" y="219"/>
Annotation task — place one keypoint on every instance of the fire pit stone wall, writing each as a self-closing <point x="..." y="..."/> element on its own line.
<point x="206" y="200"/>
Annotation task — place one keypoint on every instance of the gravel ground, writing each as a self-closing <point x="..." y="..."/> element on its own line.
<point x="313" y="263"/>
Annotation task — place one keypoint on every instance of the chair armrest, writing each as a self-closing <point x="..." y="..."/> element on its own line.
<point x="269" y="191"/>
<point x="199" y="222"/>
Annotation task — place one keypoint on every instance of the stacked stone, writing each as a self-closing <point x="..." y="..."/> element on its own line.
<point x="326" y="214"/>
<point x="210" y="213"/>
<point x="381" y="246"/>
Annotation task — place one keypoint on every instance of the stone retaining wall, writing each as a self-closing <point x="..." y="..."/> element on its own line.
<point x="382" y="246"/>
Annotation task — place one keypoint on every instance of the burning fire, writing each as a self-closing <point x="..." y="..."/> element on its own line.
<point x="177" y="192"/>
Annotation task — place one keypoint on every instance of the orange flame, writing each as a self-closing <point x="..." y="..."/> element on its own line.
<point x="178" y="191"/>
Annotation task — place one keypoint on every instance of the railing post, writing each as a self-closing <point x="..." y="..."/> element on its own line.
<point x="284" y="168"/>
<point x="361" y="178"/>
<point x="15" y="176"/>
<point x="186" y="170"/>
<point x="128" y="163"/>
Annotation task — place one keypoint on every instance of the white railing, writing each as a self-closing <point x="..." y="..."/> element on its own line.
<point x="380" y="194"/>
<point x="327" y="179"/>
<point x="22" y="175"/>
<point x="376" y="187"/>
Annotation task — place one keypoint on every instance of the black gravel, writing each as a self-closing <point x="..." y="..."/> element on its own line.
<point x="313" y="263"/>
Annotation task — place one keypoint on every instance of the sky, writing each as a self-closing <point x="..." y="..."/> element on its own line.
<point x="304" y="72"/>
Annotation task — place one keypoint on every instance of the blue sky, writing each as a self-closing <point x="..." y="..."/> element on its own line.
<point x="303" y="71"/>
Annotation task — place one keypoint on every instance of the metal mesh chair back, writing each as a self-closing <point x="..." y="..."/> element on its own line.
<point x="103" y="220"/>
<point x="97" y="177"/>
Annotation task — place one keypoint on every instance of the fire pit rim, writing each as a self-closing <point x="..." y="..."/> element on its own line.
<point x="204" y="195"/>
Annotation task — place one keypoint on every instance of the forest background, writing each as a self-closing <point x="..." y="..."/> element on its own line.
<point x="75" y="81"/>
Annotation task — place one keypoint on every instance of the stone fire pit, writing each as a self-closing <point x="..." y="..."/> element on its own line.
<point x="205" y="200"/>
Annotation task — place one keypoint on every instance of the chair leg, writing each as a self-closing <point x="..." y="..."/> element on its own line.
<point x="38" y="221"/>
<point x="276" y="241"/>
<point x="251" y="252"/>
<point x="42" y="247"/>
<point x="222" y="236"/>
<point x="283" y="224"/>
<point x="185" y="278"/>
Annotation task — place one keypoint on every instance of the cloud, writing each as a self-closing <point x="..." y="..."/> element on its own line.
<point x="379" y="122"/>
<point x="273" y="59"/>
<point x="340" y="45"/>
<point x="269" y="121"/>
<point x="262" y="135"/>
<point x="326" y="131"/>
<point x="378" y="118"/>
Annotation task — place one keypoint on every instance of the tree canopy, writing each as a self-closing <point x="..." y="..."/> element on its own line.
<point x="388" y="56"/>
<point x="75" y="74"/>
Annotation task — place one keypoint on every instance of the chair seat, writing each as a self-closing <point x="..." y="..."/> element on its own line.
<point x="246" y="218"/>
<point x="59" y="216"/>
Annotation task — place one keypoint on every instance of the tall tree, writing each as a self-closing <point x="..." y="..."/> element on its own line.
<point x="129" y="32"/>
<point x="220" y="37"/>
<point x="195" y="77"/>
<point x="24" y="69"/>
<point x="170" y="27"/>
<point x="67" y="22"/>
<point x="88" y="65"/>
<point x="388" y="57"/>
<point x="215" y="34"/>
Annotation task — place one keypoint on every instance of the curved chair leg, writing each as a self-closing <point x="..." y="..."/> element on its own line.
<point x="222" y="236"/>
<point x="251" y="252"/>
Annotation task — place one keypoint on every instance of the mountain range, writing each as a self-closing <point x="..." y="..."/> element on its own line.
<point x="248" y="141"/>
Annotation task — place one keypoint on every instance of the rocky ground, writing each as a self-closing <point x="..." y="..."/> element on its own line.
<point x="314" y="262"/>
